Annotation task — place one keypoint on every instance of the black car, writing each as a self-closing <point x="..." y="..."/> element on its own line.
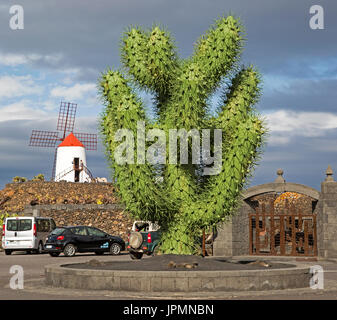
<point x="70" y="240"/>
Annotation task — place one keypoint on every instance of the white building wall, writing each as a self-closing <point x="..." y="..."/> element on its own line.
<point x="64" y="162"/>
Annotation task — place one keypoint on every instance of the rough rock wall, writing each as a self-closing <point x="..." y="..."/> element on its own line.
<point x="92" y="204"/>
<point x="109" y="218"/>
<point x="15" y="196"/>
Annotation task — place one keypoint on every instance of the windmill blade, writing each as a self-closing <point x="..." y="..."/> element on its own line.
<point x="89" y="140"/>
<point x="66" y="118"/>
<point x="43" y="138"/>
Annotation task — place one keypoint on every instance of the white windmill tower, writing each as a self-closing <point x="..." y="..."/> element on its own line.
<point x="70" y="162"/>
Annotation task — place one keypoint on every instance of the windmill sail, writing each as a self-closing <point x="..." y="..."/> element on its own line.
<point x="66" y="119"/>
<point x="89" y="140"/>
<point x="65" y="124"/>
<point x="43" y="138"/>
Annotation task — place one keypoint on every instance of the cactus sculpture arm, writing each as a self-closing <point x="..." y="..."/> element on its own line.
<point x="182" y="201"/>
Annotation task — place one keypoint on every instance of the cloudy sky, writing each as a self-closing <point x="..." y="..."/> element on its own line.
<point x="65" y="45"/>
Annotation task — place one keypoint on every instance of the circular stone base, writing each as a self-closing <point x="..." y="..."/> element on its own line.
<point x="156" y="275"/>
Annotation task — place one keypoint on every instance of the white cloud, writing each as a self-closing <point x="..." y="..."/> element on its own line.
<point x="21" y="111"/>
<point x="14" y="59"/>
<point x="49" y="105"/>
<point x="284" y="125"/>
<point x="78" y="91"/>
<point x="18" y="86"/>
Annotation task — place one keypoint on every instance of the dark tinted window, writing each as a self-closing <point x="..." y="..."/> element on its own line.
<point x="95" y="232"/>
<point x="25" y="225"/>
<point x="52" y="224"/>
<point x="19" y="225"/>
<point x="81" y="231"/>
<point x="12" y="225"/>
<point x="43" y="225"/>
<point x="57" y="231"/>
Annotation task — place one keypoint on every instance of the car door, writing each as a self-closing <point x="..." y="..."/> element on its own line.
<point x="19" y="232"/>
<point x="81" y="238"/>
<point x="99" y="239"/>
<point x="43" y="229"/>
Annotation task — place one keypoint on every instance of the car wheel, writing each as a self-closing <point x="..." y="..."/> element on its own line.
<point x="54" y="254"/>
<point x="155" y="251"/>
<point x="69" y="250"/>
<point x="8" y="252"/>
<point x="99" y="253"/>
<point x="136" y="255"/>
<point x="39" y="249"/>
<point x="115" y="249"/>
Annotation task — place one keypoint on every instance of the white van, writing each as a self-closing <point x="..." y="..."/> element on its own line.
<point x="26" y="233"/>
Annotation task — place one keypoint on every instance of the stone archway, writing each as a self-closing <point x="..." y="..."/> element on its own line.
<point x="283" y="224"/>
<point x="279" y="186"/>
<point x="235" y="238"/>
<point x="283" y="221"/>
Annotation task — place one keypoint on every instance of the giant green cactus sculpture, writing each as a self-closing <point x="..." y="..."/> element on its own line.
<point x="183" y="201"/>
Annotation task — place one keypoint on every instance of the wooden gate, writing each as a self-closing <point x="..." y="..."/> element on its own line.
<point x="283" y="233"/>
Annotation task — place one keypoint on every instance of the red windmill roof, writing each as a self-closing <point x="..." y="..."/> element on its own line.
<point x="71" y="141"/>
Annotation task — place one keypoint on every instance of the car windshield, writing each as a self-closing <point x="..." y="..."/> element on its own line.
<point x="57" y="231"/>
<point x="19" y="225"/>
<point x="142" y="226"/>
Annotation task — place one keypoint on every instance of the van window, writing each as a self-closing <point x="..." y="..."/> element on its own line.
<point x="43" y="225"/>
<point x="19" y="225"/>
<point x="12" y="225"/>
<point x="52" y="224"/>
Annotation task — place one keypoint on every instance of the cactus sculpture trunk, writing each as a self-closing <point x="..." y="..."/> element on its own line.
<point x="177" y="195"/>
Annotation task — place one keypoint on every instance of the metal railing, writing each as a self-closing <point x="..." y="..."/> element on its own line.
<point x="73" y="169"/>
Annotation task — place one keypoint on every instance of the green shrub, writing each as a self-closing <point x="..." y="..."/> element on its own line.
<point x="19" y="179"/>
<point x="39" y="177"/>
<point x="4" y="215"/>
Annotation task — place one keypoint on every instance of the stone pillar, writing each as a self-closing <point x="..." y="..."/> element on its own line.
<point x="223" y="244"/>
<point x="240" y="230"/>
<point x="327" y="217"/>
<point x="233" y="236"/>
<point x="36" y="212"/>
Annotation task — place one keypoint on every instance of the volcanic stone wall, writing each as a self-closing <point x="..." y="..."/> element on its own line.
<point x="16" y="196"/>
<point x="110" y="218"/>
<point x="92" y="204"/>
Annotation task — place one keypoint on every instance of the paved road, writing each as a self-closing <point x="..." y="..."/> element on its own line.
<point x="35" y="289"/>
<point x="33" y="266"/>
